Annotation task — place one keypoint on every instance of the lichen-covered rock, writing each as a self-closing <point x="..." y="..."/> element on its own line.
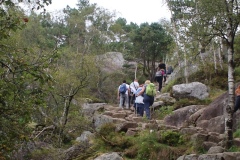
<point x="190" y="90"/>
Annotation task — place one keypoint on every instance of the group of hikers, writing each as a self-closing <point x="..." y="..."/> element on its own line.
<point x="141" y="96"/>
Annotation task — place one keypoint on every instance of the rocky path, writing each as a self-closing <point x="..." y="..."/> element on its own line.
<point x="127" y="121"/>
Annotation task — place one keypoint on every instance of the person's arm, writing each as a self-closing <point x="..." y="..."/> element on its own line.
<point x="141" y="92"/>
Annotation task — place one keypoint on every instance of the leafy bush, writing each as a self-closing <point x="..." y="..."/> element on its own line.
<point x="148" y="146"/>
<point x="162" y="112"/>
<point x="171" y="138"/>
<point x="108" y="139"/>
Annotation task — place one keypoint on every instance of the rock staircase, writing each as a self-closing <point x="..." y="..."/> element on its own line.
<point x="127" y="121"/>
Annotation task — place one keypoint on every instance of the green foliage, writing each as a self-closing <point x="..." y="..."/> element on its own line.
<point x="111" y="140"/>
<point x="150" y="44"/>
<point x="162" y="112"/>
<point x="168" y="86"/>
<point x="43" y="153"/>
<point x="23" y="81"/>
<point x="148" y="146"/>
<point x="234" y="149"/>
<point x="236" y="134"/>
<point x="171" y="138"/>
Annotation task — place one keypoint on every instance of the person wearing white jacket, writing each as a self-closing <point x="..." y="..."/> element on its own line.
<point x="133" y="88"/>
<point x="139" y="101"/>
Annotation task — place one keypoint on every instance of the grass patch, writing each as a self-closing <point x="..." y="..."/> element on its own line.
<point x="236" y="134"/>
<point x="234" y="149"/>
<point x="168" y="86"/>
<point x="190" y="101"/>
<point x="162" y="112"/>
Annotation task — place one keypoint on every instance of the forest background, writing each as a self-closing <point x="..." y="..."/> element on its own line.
<point x="50" y="63"/>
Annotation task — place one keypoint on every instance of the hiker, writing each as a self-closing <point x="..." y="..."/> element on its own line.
<point x="169" y="70"/>
<point x="159" y="78"/>
<point x="163" y="66"/>
<point x="147" y="98"/>
<point x="139" y="108"/>
<point x="123" y="91"/>
<point x="133" y="88"/>
<point x="237" y="101"/>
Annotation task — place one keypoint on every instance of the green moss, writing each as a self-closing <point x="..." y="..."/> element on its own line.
<point x="190" y="101"/>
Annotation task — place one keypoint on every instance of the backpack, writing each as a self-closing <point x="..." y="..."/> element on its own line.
<point x="123" y="88"/>
<point x="151" y="90"/>
<point x="158" y="74"/>
<point x="163" y="72"/>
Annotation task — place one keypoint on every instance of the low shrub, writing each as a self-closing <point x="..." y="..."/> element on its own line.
<point x="171" y="138"/>
<point x="162" y="112"/>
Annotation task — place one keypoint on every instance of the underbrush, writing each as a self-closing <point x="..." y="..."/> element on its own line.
<point x="145" y="145"/>
<point x="190" y="101"/>
<point x="162" y="112"/>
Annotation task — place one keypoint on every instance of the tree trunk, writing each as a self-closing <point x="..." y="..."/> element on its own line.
<point x="214" y="57"/>
<point x="230" y="106"/>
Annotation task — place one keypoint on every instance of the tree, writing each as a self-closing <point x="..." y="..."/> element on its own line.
<point x="151" y="43"/>
<point x="224" y="19"/>
<point x="218" y="18"/>
<point x="22" y="75"/>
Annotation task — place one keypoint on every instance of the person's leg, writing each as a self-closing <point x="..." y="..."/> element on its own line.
<point x="121" y="100"/>
<point x="141" y="109"/>
<point x="147" y="109"/>
<point x="165" y="76"/>
<point x="133" y="101"/>
<point x="237" y="104"/>
<point x="160" y="83"/>
<point x="146" y="101"/>
<point x="127" y="101"/>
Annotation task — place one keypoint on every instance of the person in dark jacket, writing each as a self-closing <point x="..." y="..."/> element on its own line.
<point x="159" y="78"/>
<point x="147" y="100"/>
<point x="163" y="66"/>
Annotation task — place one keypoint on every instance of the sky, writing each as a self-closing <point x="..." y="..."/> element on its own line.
<point x="137" y="11"/>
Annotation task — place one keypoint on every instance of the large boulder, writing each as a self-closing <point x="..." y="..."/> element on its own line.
<point x="86" y="136"/>
<point x="100" y="120"/>
<point x="180" y="117"/>
<point x="191" y="90"/>
<point x="212" y="117"/>
<point x="111" y="61"/>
